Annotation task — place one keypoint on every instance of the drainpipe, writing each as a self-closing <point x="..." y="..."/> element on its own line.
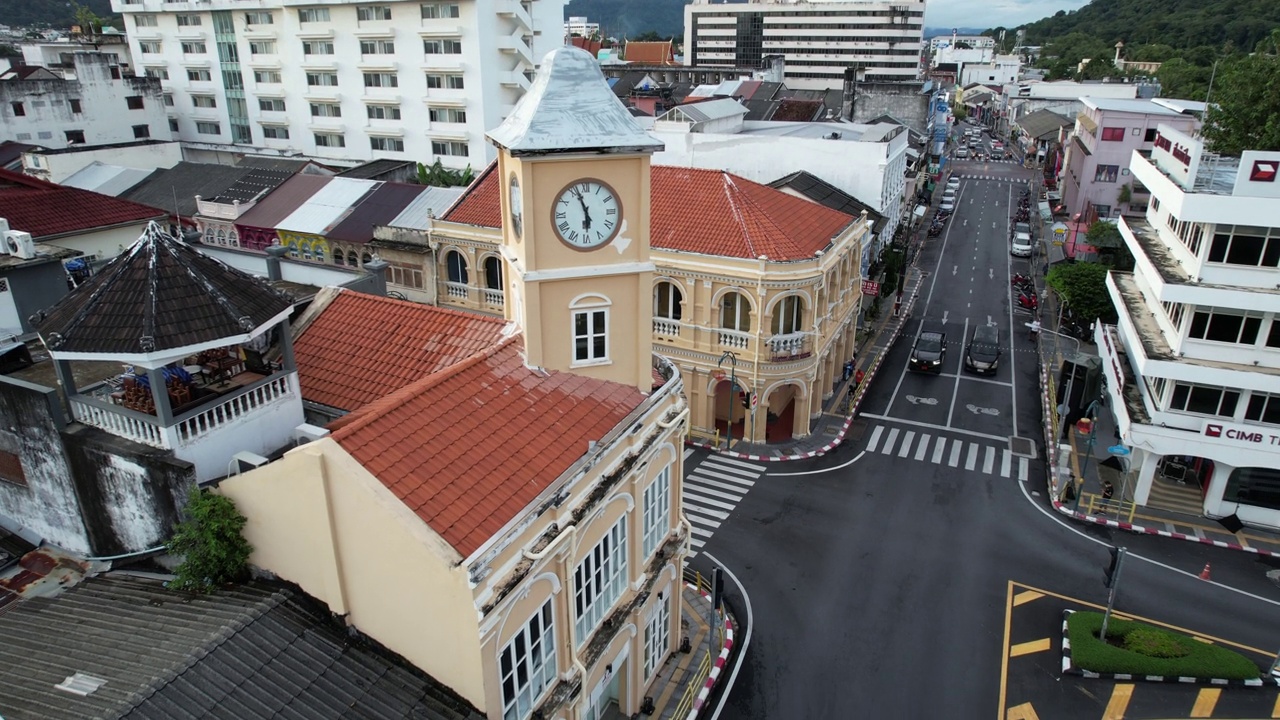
<point x="571" y="532"/>
<point x="755" y="364"/>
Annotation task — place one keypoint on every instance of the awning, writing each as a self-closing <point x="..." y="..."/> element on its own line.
<point x="1087" y="122"/>
<point x="920" y="211"/>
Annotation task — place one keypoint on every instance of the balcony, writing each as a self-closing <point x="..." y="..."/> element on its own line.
<point x="666" y="328"/>
<point x="457" y="290"/>
<point x="791" y="346"/>
<point x="733" y="339"/>
<point x="514" y="78"/>
<point x="494" y="299"/>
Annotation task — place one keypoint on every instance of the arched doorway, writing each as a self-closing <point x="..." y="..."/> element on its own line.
<point x="731" y="408"/>
<point x="779" y="413"/>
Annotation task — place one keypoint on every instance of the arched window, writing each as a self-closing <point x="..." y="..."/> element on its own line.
<point x="365" y="258"/>
<point x="338" y="257"/>
<point x="352" y="259"/>
<point x="735" y="312"/>
<point x="457" y="267"/>
<point x="666" y="301"/>
<point x="306" y="250"/>
<point x="788" y="315"/>
<point x="293" y="248"/>
<point x="320" y="254"/>
<point x="209" y="234"/>
<point x="492" y="273"/>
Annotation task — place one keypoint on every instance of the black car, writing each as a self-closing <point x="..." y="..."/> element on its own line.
<point x="928" y="352"/>
<point x="983" y="353"/>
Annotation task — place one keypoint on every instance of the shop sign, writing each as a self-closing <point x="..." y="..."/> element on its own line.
<point x="1247" y="435"/>
<point x="870" y="287"/>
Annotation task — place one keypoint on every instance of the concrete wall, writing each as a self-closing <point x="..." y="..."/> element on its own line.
<point x="103" y="244"/>
<point x="31" y="421"/>
<point x="58" y="166"/>
<point x="904" y="101"/>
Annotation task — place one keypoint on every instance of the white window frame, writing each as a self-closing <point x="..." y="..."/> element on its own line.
<point x="373" y="13"/>
<point x="656" y="515"/>
<point x="440" y="11"/>
<point x="588" y="308"/>
<point x="194" y="47"/>
<point x="271" y="104"/>
<point x="145" y="20"/>
<point x="599" y="580"/>
<point x="530" y="653"/>
<point x="275" y="132"/>
<point x="388" y="144"/>
<point x="259" y="17"/>
<point x="331" y="140"/>
<point x="788" y="315"/>
<point x="208" y="127"/>
<point x="310" y="15"/>
<point x="381" y="80"/>
<point x="657" y="636"/>
<point x="309" y="47"/>
<point x="150" y="47"/>
<point x="200" y="75"/>
<point x="272" y="77"/>
<point x="189" y="20"/>
<point x="331" y="79"/>
<point x="376" y="111"/>
<point x="674" y="298"/>
<point x="262" y="47"/>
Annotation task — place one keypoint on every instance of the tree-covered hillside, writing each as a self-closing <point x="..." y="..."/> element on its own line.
<point x="57" y="14"/>
<point x="1240" y="24"/>
<point x="629" y="18"/>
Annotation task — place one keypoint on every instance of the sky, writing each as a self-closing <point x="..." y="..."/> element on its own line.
<point x="983" y="14"/>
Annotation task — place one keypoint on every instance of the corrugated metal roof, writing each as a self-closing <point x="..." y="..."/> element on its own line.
<point x="707" y="110"/>
<point x="328" y="206"/>
<point x="283" y="201"/>
<point x="432" y="201"/>
<point x="106" y="179"/>
<point x="377" y="208"/>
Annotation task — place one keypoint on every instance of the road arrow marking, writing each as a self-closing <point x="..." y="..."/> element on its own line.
<point x="955" y="269"/>
<point x="991" y="275"/>
<point x="945" y="313"/>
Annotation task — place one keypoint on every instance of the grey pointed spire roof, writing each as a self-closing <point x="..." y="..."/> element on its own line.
<point x="158" y="299"/>
<point x="571" y="108"/>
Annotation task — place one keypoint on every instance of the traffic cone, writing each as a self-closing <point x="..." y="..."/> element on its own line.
<point x="1204" y="574"/>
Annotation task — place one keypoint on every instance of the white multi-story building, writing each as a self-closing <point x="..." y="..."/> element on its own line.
<point x="973" y="41"/>
<point x="99" y="107"/>
<point x="581" y="26"/>
<point x="819" y="41"/>
<point x="343" y="81"/>
<point x="1192" y="368"/>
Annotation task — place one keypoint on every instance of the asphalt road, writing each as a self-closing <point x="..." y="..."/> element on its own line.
<point x="879" y="575"/>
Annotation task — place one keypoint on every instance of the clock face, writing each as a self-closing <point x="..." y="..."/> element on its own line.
<point x="587" y="214"/>
<point x="517" y="207"/>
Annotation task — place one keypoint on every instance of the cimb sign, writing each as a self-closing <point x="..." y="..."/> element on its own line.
<point x="1249" y="435"/>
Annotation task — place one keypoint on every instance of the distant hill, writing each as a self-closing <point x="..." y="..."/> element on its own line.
<point x="56" y="14"/>
<point x="1176" y="23"/>
<point x="933" y="32"/>
<point x="628" y="18"/>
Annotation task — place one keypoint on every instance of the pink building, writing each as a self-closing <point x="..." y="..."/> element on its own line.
<point x="1096" y="167"/>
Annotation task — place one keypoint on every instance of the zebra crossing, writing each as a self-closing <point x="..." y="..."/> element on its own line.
<point x="711" y="491"/>
<point x="942" y="450"/>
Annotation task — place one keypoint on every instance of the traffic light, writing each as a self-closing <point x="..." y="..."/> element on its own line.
<point x="1109" y="572"/>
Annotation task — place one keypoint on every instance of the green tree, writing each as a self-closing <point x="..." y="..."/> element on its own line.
<point x="1083" y="287"/>
<point x="1179" y="78"/>
<point x="1244" y="113"/>
<point x="1097" y="69"/>
<point x="1112" y="252"/>
<point x="7" y="50"/>
<point x="211" y="543"/>
<point x="437" y="175"/>
<point x="960" y="112"/>
<point x="87" y="19"/>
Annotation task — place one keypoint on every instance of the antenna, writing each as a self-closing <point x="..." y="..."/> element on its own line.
<point x="1210" y="90"/>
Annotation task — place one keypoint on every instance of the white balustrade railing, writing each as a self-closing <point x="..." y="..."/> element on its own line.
<point x="663" y="326"/>
<point x="232" y="409"/>
<point x="494" y="297"/>
<point x="457" y="290"/>
<point x="734" y="339"/>
<point x="124" y="424"/>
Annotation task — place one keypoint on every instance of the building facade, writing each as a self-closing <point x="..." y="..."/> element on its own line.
<point x="818" y="40"/>
<point x="1192" y="368"/>
<point x="100" y="106"/>
<point x="537" y="535"/>
<point x="345" y="82"/>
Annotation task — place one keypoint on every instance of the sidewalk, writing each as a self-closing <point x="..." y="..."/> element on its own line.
<point x="687" y="676"/>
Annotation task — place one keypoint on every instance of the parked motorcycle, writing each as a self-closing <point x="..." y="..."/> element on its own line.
<point x="1028" y="301"/>
<point x="1019" y="279"/>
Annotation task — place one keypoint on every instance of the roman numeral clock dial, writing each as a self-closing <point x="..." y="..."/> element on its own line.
<point x="587" y="214"/>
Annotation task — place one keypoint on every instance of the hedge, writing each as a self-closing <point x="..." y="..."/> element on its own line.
<point x="1202" y="660"/>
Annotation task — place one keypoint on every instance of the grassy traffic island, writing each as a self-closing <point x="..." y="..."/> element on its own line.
<point x="1134" y="648"/>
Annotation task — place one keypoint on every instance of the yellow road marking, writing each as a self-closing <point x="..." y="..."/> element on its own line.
<point x="1027" y="648"/>
<point x="1119" y="702"/>
<point x="1270" y="654"/>
<point x="1022" y="712"/>
<point x="1205" y="702"/>
<point x="1240" y="539"/>
<point x="1026" y="596"/>
<point x="1275" y="711"/>
<point x="1204" y="640"/>
<point x="1004" y="654"/>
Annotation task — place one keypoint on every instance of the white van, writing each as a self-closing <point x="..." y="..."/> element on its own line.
<point x="1021" y="245"/>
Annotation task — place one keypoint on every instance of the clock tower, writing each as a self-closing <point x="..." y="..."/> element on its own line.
<point x="574" y="170"/>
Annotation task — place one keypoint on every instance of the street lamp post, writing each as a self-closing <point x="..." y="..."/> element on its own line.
<point x="733" y="387"/>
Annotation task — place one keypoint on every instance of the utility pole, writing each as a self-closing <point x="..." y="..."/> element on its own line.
<point x="1111" y="578"/>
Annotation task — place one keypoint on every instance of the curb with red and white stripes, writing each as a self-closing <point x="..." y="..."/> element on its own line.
<point x="717" y="668"/>
<point x="1067" y="511"/>
<point x="844" y="429"/>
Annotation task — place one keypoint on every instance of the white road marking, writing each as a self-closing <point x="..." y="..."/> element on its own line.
<point x="934" y="426"/>
<point x="971" y="460"/>
<point x="1023" y="466"/>
<point x="701" y="491"/>
<point x="1006" y="459"/>
<point x="923" y="447"/>
<point x="888" y="442"/>
<point x="938" y="449"/>
<point x="989" y="462"/>
<point x="906" y="444"/>
<point x="707" y="501"/>
<point x="875" y="438"/>
<point x="707" y="482"/>
<point x="956" y="447"/>
<point x="687" y="453"/>
<point x="731" y="461"/>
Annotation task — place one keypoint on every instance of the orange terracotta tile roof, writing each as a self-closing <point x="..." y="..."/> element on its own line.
<point x="362" y="347"/>
<point x="480" y="204"/>
<point x="649" y="53"/>
<point x="469" y="447"/>
<point x="708" y="212"/>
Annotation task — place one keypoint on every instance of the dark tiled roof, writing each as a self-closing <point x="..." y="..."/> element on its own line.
<point x="175" y="189"/>
<point x="792" y="109"/>
<point x="262" y="650"/>
<point x="159" y="295"/>
<point x="46" y="210"/>
<point x="255" y="183"/>
<point x="266" y="163"/>
<point x="760" y="109"/>
<point x="378" y="208"/>
<point x="824" y="193"/>
<point x="283" y="201"/>
<point x="11" y="152"/>
<point x="376" y="169"/>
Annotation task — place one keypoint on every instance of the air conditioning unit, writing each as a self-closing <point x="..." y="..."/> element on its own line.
<point x="306" y="432"/>
<point x="19" y="244"/>
<point x="244" y="461"/>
